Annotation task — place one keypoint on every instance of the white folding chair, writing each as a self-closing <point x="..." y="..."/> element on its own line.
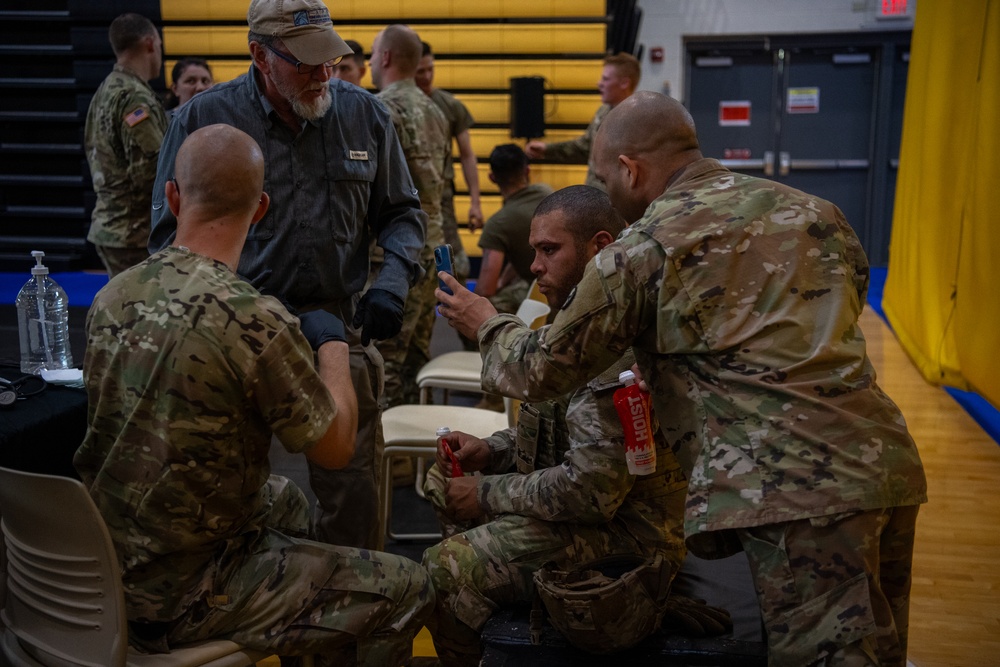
<point x="411" y="430"/>
<point x="65" y="604"/>
<point x="461" y="371"/>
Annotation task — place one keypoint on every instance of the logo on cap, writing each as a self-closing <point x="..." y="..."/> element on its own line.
<point x="315" y="16"/>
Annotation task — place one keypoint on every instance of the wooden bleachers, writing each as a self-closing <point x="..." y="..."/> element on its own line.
<point x="521" y="38"/>
<point x="45" y="192"/>
<point x="55" y="54"/>
<point x="478" y="48"/>
<point x="578" y="74"/>
<point x="397" y="10"/>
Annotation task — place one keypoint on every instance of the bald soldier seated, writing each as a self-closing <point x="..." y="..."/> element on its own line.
<point x="189" y="371"/>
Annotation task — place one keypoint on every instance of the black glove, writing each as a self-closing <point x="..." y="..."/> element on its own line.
<point x="320" y="326"/>
<point x="379" y="315"/>
<point x="694" y="618"/>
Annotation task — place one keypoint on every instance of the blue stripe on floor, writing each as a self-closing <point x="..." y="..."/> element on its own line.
<point x="981" y="410"/>
<point x="81" y="287"/>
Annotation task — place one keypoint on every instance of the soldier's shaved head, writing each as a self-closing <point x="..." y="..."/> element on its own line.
<point x="649" y="123"/>
<point x="404" y="45"/>
<point x="640" y="145"/>
<point x="219" y="172"/>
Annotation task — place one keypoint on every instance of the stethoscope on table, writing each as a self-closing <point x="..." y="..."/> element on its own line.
<point x="24" y="387"/>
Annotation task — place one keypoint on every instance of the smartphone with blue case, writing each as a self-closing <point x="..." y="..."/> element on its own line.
<point x="443" y="261"/>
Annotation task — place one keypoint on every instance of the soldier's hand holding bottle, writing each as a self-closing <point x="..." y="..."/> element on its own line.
<point x="471" y="453"/>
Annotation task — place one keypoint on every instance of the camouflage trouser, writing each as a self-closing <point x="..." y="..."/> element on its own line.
<point x="835" y="590"/>
<point x="477" y="571"/>
<point x="116" y="260"/>
<point x="434" y="486"/>
<point x="347" y="507"/>
<point x="406" y="352"/>
<point x="449" y="223"/>
<point x="289" y="508"/>
<point x="297" y="597"/>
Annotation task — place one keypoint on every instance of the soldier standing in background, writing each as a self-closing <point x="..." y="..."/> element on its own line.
<point x="423" y="133"/>
<point x="352" y="68"/>
<point x="619" y="79"/>
<point x="740" y="298"/>
<point x="571" y="498"/>
<point x="122" y="136"/>
<point x="459" y="122"/>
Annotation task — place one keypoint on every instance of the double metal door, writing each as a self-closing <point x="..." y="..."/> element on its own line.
<point x="805" y="114"/>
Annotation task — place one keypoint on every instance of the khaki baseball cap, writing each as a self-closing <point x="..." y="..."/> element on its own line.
<point x="303" y="25"/>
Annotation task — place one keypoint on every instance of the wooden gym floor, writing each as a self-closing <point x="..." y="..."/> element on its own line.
<point x="955" y="601"/>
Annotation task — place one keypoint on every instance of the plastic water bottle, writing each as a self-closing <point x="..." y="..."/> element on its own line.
<point x="632" y="405"/>
<point x="43" y="322"/>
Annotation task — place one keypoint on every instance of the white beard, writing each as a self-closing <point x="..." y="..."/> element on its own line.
<point x="313" y="110"/>
<point x="304" y="110"/>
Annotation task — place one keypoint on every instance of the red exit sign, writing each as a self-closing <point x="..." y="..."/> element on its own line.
<point x="891" y="9"/>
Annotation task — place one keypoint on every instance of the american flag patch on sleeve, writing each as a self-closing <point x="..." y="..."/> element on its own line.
<point x="133" y="118"/>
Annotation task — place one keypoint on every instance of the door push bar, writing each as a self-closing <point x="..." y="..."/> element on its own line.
<point x="766" y="164"/>
<point x="786" y="164"/>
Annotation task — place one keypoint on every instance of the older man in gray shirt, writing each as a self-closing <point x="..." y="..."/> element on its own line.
<point x="337" y="180"/>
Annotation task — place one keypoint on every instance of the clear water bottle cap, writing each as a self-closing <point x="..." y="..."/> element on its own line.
<point x="443" y="431"/>
<point x="39" y="269"/>
<point x="626" y="377"/>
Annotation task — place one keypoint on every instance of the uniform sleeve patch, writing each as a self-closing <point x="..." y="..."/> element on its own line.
<point x="605" y="268"/>
<point x="133" y="118"/>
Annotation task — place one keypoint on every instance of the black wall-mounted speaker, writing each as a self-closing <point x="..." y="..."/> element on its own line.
<point x="527" y="107"/>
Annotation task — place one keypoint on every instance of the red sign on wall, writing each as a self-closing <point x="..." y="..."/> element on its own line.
<point x="893" y="8"/>
<point x="734" y="112"/>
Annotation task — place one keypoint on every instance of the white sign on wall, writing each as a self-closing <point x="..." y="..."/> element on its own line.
<point x="803" y="100"/>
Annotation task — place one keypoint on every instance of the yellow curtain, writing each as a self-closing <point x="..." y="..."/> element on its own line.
<point x="944" y="259"/>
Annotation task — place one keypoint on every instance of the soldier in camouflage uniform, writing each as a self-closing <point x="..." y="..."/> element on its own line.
<point x="423" y="132"/>
<point x="459" y="121"/>
<point x="619" y="79"/>
<point x="125" y="125"/>
<point x="740" y="298"/>
<point x="571" y="498"/>
<point x="189" y="371"/>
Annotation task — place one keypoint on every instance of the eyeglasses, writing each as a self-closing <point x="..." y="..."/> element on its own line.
<point x="300" y="66"/>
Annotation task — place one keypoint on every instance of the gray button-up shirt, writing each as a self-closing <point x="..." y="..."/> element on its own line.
<point x="339" y="183"/>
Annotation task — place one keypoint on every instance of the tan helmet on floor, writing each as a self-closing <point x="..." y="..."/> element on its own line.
<point x="605" y="605"/>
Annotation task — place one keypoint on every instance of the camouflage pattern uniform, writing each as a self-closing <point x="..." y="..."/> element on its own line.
<point x="459" y="120"/>
<point x="124" y="129"/>
<point x="740" y="298"/>
<point x="577" y="151"/>
<point x="189" y="370"/>
<point x="571" y="500"/>
<point x="423" y="133"/>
